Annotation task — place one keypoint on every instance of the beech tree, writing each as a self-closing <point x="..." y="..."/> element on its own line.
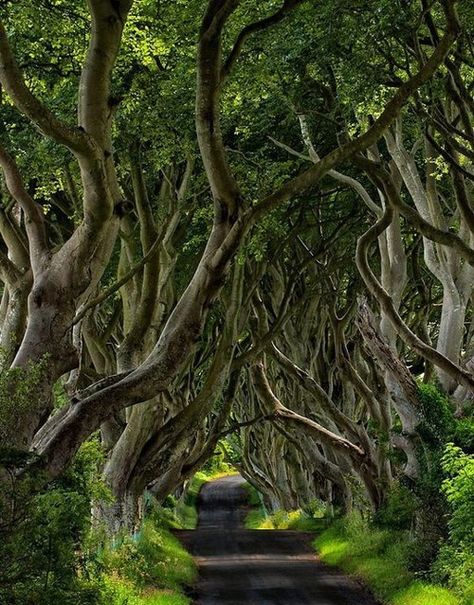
<point x="165" y="292"/>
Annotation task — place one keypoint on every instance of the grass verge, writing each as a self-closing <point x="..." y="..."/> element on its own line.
<point x="152" y="568"/>
<point x="379" y="558"/>
<point x="258" y="518"/>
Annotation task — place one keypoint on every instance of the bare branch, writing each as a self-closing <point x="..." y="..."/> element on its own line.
<point x="119" y="283"/>
<point x="386" y="303"/>
<point x="273" y="403"/>
<point x="35" y="225"/>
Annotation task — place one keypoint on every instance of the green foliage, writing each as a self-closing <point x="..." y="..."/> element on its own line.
<point x="459" y="490"/>
<point x="438" y="418"/>
<point x="60" y="395"/>
<point x="17" y="389"/>
<point x="314" y="519"/>
<point x="464" y="434"/>
<point x="40" y="560"/>
<point x="115" y="591"/>
<point x="186" y="507"/>
<point x="217" y="465"/>
<point x="454" y="568"/>
<point x="379" y="557"/>
<point x="419" y="593"/>
<point x="255" y="519"/>
<point x="399" y="509"/>
<point x="254" y="497"/>
<point x="50" y="554"/>
<point x="421" y="504"/>
<point x="155" y="558"/>
<point x="405" y="536"/>
<point x="455" y="564"/>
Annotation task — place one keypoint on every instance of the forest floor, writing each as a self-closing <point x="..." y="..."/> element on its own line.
<point x="253" y="567"/>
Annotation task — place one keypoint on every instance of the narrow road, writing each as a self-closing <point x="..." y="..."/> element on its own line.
<point x="257" y="567"/>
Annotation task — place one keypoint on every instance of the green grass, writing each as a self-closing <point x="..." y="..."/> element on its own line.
<point x="156" y="559"/>
<point x="150" y="569"/>
<point x="295" y="519"/>
<point x="255" y="519"/>
<point x="153" y="568"/>
<point x="379" y="558"/>
<point x="116" y="591"/>
<point x="258" y="518"/>
<point x="419" y="593"/>
<point x="186" y="507"/>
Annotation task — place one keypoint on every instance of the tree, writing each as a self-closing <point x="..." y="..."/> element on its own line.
<point x="138" y="352"/>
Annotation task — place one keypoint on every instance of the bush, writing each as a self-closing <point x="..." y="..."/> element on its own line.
<point x="438" y="422"/>
<point x="455" y="563"/>
<point x="50" y="554"/>
<point x="464" y="434"/>
<point x="459" y="490"/>
<point x="16" y="387"/>
<point x="455" y="568"/>
<point x="40" y="550"/>
<point x="399" y="510"/>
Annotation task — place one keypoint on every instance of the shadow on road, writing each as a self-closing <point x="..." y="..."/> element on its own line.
<point x="258" y="567"/>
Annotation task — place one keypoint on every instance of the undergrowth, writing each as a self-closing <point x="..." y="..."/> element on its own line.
<point x="312" y="519"/>
<point x="153" y="567"/>
<point x="381" y="558"/>
<point x="148" y="569"/>
<point x="296" y="520"/>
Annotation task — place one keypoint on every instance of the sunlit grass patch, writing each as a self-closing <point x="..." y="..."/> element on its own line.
<point x="379" y="558"/>
<point x="295" y="520"/>
<point x="150" y="569"/>
<point x="117" y="591"/>
<point x="419" y="593"/>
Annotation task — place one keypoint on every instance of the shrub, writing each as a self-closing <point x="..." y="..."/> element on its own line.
<point x="40" y="554"/>
<point x="399" y="509"/>
<point x="438" y="422"/>
<point x="455" y="563"/>
<point x="464" y="434"/>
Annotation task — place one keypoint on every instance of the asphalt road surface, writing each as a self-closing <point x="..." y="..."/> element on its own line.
<point x="258" y="567"/>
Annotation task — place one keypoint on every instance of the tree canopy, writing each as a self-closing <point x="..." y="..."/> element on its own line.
<point x="241" y="221"/>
